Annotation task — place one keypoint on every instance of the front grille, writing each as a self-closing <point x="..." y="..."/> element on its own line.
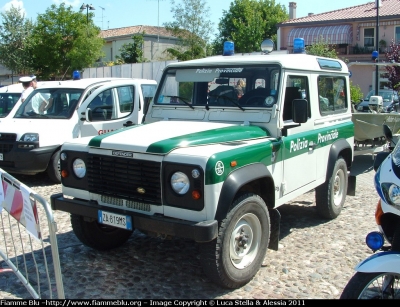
<point x="7" y="141"/>
<point x="4" y="148"/>
<point x="8" y="137"/>
<point x="121" y="178"/>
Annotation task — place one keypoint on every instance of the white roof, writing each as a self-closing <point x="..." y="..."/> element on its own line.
<point x="84" y="83"/>
<point x="13" y="88"/>
<point x="289" y="61"/>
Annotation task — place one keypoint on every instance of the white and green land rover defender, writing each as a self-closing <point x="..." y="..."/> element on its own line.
<point x="212" y="163"/>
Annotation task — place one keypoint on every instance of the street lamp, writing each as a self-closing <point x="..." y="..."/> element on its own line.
<point x="377" y="4"/>
<point x="88" y="7"/>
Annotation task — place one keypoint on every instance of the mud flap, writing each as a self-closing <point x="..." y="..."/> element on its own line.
<point x="351" y="185"/>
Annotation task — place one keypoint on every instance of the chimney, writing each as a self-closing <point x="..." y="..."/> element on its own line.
<point x="310" y="14"/>
<point x="292" y="10"/>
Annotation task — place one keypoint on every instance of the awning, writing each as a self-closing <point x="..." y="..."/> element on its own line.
<point x="333" y="35"/>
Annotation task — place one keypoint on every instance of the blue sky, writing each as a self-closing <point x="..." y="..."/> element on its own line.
<point x="123" y="13"/>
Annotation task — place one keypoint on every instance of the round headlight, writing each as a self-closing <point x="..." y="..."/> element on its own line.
<point x="79" y="168"/>
<point x="180" y="183"/>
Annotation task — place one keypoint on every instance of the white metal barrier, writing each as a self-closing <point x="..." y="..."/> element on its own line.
<point x="28" y="242"/>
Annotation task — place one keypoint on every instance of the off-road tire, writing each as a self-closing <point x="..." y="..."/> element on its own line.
<point x="53" y="169"/>
<point x="331" y="195"/>
<point x="98" y="236"/>
<point x="225" y="260"/>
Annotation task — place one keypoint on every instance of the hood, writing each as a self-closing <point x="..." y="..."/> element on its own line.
<point x="165" y="136"/>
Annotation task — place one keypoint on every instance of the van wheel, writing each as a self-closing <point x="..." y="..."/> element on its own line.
<point x="53" y="169"/>
<point x="98" y="236"/>
<point x="236" y="255"/>
<point x="330" y="196"/>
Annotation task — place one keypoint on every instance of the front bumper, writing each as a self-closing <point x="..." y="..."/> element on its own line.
<point x="204" y="231"/>
<point x="25" y="161"/>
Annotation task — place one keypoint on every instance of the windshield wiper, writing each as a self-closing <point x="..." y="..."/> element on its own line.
<point x="181" y="99"/>
<point x="229" y="99"/>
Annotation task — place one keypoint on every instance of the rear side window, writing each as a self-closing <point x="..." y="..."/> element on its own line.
<point x="332" y="95"/>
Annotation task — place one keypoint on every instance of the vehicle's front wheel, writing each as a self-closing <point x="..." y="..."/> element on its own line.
<point x="372" y="286"/>
<point x="236" y="255"/>
<point x="53" y="169"/>
<point x="330" y="196"/>
<point x="98" y="236"/>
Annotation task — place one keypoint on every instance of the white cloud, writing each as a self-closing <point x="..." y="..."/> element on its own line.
<point x="15" y="3"/>
<point x="73" y="3"/>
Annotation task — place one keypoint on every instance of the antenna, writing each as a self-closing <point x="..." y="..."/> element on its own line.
<point x="102" y="17"/>
<point x="158" y="21"/>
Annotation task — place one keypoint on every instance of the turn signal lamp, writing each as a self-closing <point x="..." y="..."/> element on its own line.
<point x="64" y="173"/>
<point x="196" y="195"/>
<point x="378" y="213"/>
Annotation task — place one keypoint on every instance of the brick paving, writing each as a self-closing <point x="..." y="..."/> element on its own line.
<point x="315" y="259"/>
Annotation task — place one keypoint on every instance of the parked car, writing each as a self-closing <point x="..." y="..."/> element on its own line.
<point x="390" y="101"/>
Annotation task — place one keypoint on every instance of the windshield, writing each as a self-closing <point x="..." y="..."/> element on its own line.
<point x="236" y="87"/>
<point x="7" y="103"/>
<point x="387" y="96"/>
<point x="50" y="103"/>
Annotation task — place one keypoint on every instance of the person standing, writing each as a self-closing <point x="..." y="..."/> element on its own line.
<point x="27" y="85"/>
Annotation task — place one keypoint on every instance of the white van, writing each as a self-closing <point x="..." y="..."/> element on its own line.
<point x="61" y="110"/>
<point x="9" y="100"/>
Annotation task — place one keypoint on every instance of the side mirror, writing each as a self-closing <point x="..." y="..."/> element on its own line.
<point x="300" y="111"/>
<point x="89" y="115"/>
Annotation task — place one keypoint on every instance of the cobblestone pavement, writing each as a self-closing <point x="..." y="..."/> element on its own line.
<point x="315" y="259"/>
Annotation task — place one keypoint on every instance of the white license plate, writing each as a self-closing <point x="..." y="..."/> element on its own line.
<point x="1" y="157"/>
<point x="116" y="220"/>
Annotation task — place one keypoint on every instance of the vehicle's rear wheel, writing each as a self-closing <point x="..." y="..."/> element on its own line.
<point x="98" y="236"/>
<point x="236" y="255"/>
<point x="53" y="169"/>
<point x="330" y="196"/>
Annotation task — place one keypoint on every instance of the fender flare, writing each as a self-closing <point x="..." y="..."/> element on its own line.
<point x="334" y="153"/>
<point x="235" y="181"/>
<point x="386" y="262"/>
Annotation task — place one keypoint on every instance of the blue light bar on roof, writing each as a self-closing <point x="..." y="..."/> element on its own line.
<point x="229" y="48"/>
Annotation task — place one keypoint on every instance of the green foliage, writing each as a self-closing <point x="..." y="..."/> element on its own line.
<point x="322" y="48"/>
<point x="192" y="27"/>
<point x="132" y="52"/>
<point x="63" y="41"/>
<point x="356" y="94"/>
<point x="393" y="56"/>
<point x="248" y="23"/>
<point x="14" y="45"/>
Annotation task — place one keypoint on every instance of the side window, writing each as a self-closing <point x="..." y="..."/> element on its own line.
<point x="332" y="95"/>
<point x="296" y="88"/>
<point x="126" y="98"/>
<point x="148" y="92"/>
<point x="102" y="106"/>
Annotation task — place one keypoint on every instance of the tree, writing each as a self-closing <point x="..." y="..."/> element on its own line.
<point x="132" y="52"/>
<point x="14" y="49"/>
<point x="248" y="23"/>
<point x="63" y="41"/>
<point x="393" y="56"/>
<point x="322" y="48"/>
<point x="192" y="27"/>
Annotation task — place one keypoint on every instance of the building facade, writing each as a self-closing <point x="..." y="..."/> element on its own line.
<point x="354" y="32"/>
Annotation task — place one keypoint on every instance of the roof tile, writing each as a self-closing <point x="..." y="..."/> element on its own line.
<point x="388" y="8"/>
<point x="125" y="31"/>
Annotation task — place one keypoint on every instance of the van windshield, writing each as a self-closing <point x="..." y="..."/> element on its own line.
<point x="50" y="103"/>
<point x="7" y="103"/>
